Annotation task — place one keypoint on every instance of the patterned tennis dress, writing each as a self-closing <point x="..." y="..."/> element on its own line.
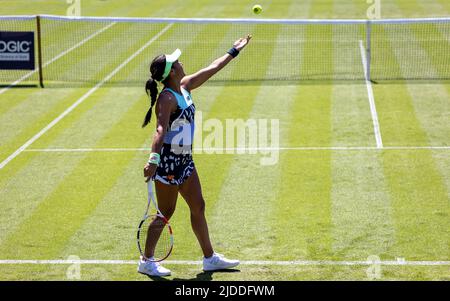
<point x="176" y="163"/>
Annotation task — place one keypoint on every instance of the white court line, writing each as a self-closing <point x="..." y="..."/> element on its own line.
<point x="251" y="262"/>
<point x="57" y="57"/>
<point x="373" y="110"/>
<point x="84" y="97"/>
<point x="336" y="148"/>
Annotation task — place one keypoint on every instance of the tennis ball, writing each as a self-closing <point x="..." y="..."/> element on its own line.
<point x="257" y="9"/>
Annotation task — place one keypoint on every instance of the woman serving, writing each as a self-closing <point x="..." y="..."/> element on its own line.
<point x="170" y="163"/>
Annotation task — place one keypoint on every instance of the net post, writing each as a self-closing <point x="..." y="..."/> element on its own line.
<point x="368" y="47"/>
<point x="38" y="27"/>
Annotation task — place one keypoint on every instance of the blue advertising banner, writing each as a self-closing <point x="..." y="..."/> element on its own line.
<point x="17" y="50"/>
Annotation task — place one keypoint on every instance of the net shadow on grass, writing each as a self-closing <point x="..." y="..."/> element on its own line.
<point x="26" y="86"/>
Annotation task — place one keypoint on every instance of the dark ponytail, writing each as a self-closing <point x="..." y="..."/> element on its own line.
<point x="151" y="88"/>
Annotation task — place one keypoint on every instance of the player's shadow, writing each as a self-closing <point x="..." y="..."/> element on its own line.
<point x="203" y="276"/>
<point x="207" y="276"/>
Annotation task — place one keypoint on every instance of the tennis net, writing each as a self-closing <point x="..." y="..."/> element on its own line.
<point x="81" y="51"/>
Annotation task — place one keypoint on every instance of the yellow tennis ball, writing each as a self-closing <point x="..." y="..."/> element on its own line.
<point x="257" y="9"/>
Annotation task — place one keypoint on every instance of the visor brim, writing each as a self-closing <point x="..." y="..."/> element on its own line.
<point x="171" y="58"/>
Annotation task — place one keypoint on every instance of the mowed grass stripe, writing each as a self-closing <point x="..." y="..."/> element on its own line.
<point x="235" y="224"/>
<point x="21" y="138"/>
<point x="170" y="34"/>
<point x="64" y="98"/>
<point x="443" y="165"/>
<point x="110" y="230"/>
<point x="57" y="217"/>
<point x="304" y="212"/>
<point x="85" y="129"/>
<point x="416" y="9"/>
<point x="25" y="116"/>
<point x="248" y="201"/>
<point x="72" y="191"/>
<point x="23" y="191"/>
<point x="80" y="169"/>
<point x="255" y="273"/>
<point x="113" y="66"/>
<point x="19" y="7"/>
<point x="117" y="214"/>
<point x="82" y="47"/>
<point x="396" y="113"/>
<point x="418" y="195"/>
<point x="228" y="103"/>
<point x="362" y="217"/>
<point x="88" y="8"/>
<point x="444" y="6"/>
<point x="442" y="109"/>
<point x="104" y="212"/>
<point x="186" y="243"/>
<point x="281" y="106"/>
<point x="433" y="8"/>
<point x="131" y="8"/>
<point x="361" y="210"/>
<point x="273" y="102"/>
<point x="351" y="118"/>
<point x="228" y="207"/>
<point x="420" y="205"/>
<point x="431" y="100"/>
<point x="37" y="179"/>
<point x="131" y="179"/>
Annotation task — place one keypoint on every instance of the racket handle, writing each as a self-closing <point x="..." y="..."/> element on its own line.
<point x="149" y="187"/>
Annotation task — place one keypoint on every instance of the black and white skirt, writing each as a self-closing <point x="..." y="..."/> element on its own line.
<point x="174" y="167"/>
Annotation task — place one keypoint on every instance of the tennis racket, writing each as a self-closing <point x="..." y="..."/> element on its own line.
<point x="154" y="235"/>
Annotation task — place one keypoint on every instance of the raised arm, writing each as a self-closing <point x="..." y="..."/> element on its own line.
<point x="190" y="82"/>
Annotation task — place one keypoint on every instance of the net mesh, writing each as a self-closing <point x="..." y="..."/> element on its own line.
<point x="85" y="51"/>
<point x="413" y="51"/>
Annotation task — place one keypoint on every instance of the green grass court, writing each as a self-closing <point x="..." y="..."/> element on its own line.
<point x="332" y="197"/>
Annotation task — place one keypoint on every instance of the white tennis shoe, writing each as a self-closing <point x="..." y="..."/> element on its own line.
<point x="151" y="268"/>
<point x="218" y="262"/>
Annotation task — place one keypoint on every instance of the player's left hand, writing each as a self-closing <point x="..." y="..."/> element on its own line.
<point x="242" y="42"/>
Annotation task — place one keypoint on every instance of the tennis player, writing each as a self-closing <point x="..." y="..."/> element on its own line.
<point x="170" y="163"/>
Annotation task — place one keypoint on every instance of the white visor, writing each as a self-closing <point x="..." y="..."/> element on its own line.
<point x="171" y="58"/>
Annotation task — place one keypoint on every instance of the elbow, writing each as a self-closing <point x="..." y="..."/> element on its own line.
<point x="160" y="133"/>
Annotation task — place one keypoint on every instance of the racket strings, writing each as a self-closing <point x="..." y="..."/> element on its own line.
<point x="159" y="236"/>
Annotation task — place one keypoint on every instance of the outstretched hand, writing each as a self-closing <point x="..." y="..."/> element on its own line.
<point x="242" y="42"/>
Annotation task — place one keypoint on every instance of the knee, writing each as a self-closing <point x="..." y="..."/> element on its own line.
<point x="198" y="207"/>
<point x="168" y="212"/>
